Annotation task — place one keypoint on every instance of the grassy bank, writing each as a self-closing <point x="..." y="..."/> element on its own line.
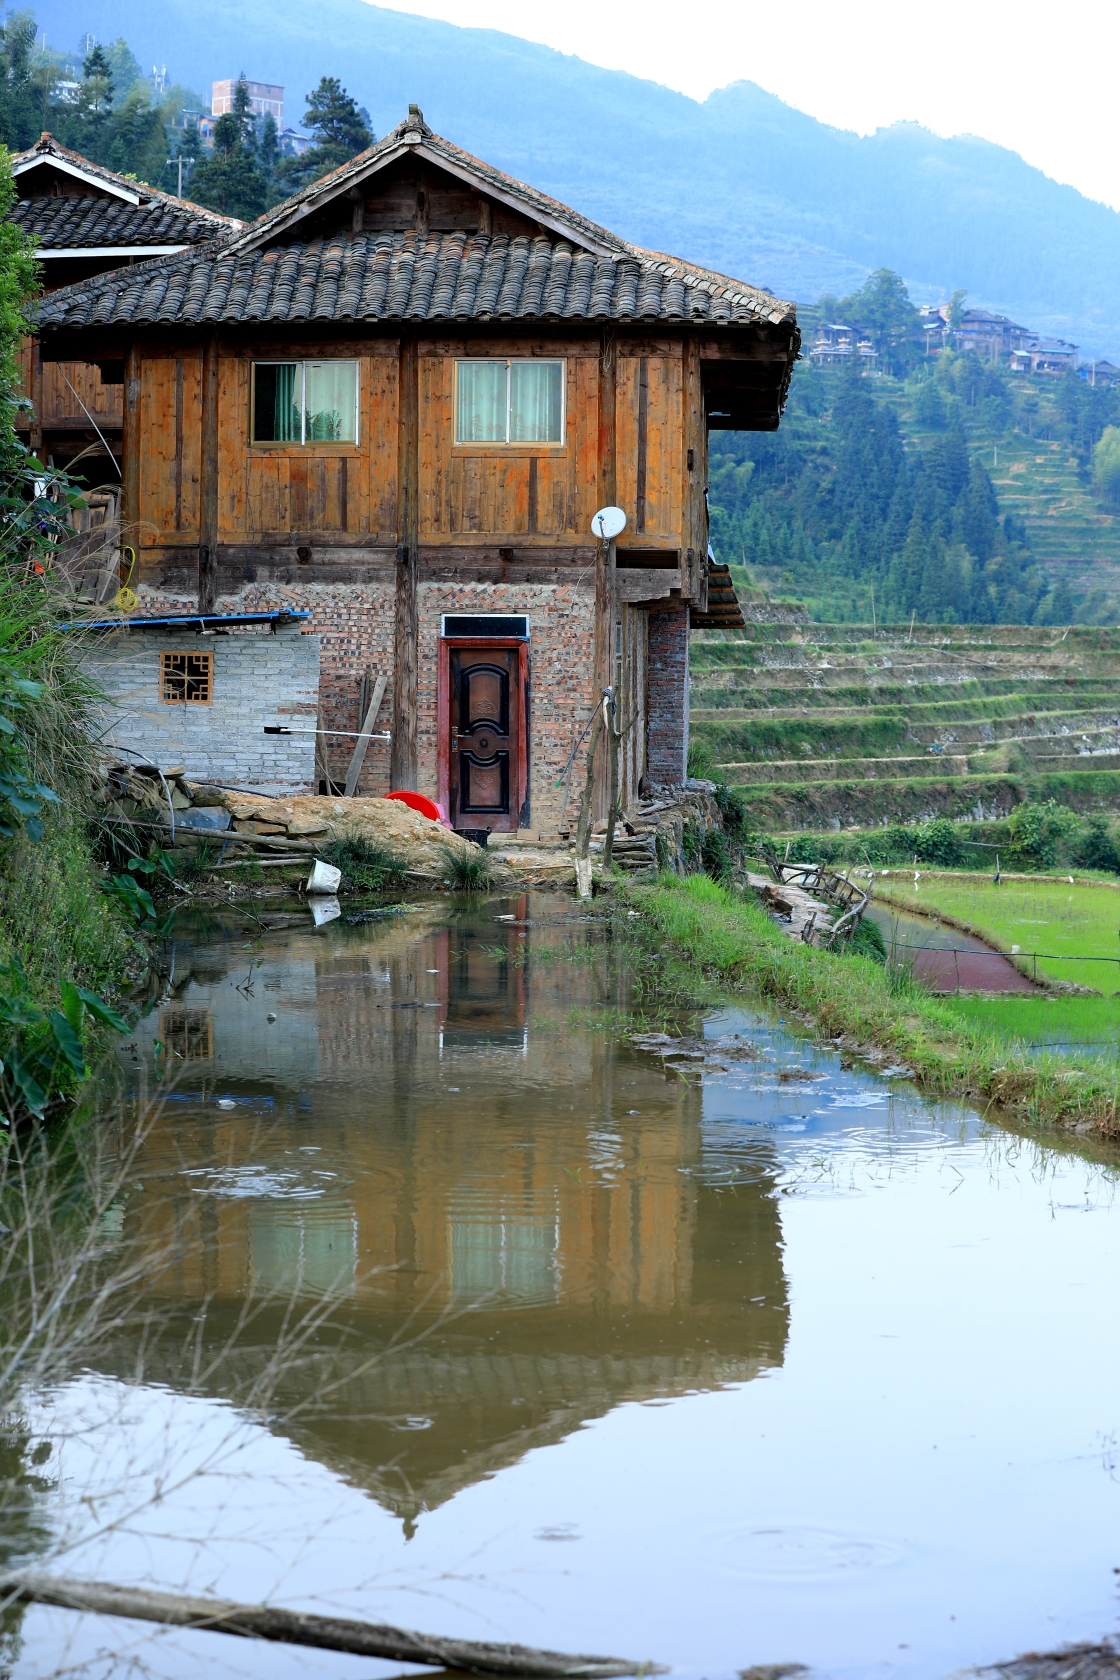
<point x="734" y="942"/>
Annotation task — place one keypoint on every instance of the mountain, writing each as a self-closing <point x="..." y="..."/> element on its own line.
<point x="741" y="182"/>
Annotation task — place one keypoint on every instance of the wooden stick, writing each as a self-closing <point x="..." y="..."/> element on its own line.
<point x="358" y="757"/>
<point x="297" y="1627"/>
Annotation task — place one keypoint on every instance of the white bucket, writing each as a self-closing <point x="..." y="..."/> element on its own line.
<point x="325" y="910"/>
<point x="324" y="878"/>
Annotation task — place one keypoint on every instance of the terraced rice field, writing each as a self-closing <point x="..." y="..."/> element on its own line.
<point x="832" y="725"/>
<point x="1063" y="922"/>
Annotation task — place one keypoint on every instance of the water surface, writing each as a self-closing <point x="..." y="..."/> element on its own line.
<point x="747" y="1359"/>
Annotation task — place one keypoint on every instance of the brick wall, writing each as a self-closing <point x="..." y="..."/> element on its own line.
<point x="354" y="626"/>
<point x="667" y="698"/>
<point x="259" y="678"/>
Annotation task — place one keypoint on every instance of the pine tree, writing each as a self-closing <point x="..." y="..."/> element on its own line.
<point x="342" y="131"/>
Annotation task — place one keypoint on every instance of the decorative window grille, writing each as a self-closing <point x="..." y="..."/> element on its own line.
<point x="186" y="679"/>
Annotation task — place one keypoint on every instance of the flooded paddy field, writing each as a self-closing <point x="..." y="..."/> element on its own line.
<point x="716" y="1355"/>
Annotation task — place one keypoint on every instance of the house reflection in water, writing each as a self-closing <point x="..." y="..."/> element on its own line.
<point x="435" y="1131"/>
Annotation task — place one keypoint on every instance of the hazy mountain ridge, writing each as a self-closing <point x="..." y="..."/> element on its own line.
<point x="742" y="182"/>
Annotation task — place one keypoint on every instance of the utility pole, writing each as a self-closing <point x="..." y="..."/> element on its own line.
<point x="179" y="160"/>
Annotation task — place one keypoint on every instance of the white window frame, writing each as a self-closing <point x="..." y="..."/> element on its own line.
<point x="507" y="442"/>
<point x="303" y="442"/>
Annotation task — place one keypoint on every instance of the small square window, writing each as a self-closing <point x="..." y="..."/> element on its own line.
<point x="305" y="402"/>
<point x="186" y="679"/>
<point x="510" y="402"/>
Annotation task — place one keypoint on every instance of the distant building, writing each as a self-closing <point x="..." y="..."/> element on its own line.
<point x="265" y="99"/>
<point x="1043" y="355"/>
<point x="293" y="143"/>
<point x="836" y="344"/>
<point x="989" y="336"/>
<point x="1099" y="373"/>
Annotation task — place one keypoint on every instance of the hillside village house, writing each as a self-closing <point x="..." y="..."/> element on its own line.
<point x="394" y="403"/>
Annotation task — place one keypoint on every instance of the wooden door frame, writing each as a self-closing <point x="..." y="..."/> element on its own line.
<point x="443" y="712"/>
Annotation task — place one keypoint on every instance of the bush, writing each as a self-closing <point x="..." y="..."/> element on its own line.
<point x="938" y="842"/>
<point x="1037" y="833"/>
<point x="1096" y="848"/>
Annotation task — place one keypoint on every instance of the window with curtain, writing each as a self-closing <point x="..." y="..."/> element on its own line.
<point x="305" y="402"/>
<point x="510" y="402"/>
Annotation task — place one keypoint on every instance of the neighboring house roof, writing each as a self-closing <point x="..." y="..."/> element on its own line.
<point x="113" y="212"/>
<point x="266" y="272"/>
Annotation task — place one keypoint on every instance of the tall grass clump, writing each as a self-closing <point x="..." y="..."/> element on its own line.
<point x="365" y="864"/>
<point x="469" y="871"/>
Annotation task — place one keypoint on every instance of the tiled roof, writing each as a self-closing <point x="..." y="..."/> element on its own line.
<point x="266" y="271"/>
<point x="96" y="222"/>
<point x="409" y="276"/>
<point x="72" y="221"/>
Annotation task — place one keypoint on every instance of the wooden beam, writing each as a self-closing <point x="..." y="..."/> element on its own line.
<point x="358" y="757"/>
<point x="208" y="479"/>
<point x="403" y="758"/>
<point x="130" y="452"/>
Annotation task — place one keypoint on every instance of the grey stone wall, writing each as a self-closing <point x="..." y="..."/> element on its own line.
<point x="259" y="678"/>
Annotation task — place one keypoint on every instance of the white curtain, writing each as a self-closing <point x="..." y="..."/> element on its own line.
<point x="535" y="406"/>
<point x="482" y="402"/>
<point x="330" y="402"/>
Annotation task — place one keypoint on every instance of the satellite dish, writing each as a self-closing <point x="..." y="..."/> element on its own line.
<point x="608" y="523"/>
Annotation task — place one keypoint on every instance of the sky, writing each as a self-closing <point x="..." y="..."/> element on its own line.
<point x="1008" y="73"/>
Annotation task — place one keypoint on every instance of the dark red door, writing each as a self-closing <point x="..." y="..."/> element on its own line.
<point x="486" y="737"/>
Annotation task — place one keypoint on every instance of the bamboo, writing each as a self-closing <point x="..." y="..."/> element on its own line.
<point x="297" y="1627"/>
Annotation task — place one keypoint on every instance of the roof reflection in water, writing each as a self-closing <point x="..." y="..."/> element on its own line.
<point x="439" y="1132"/>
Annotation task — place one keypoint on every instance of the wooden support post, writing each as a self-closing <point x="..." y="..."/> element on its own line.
<point x="603" y="674"/>
<point x="695" y="439"/>
<point x="208" y="485"/>
<point x="403" y="757"/>
<point x="130" y="465"/>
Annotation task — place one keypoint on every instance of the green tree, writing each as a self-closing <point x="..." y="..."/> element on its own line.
<point x="342" y="131"/>
<point x="24" y="83"/>
<point x="124" y="71"/>
<point x="883" y="309"/>
<point x="1106" y="465"/>
<point x="956" y="307"/>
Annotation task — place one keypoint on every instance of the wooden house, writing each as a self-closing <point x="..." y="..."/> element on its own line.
<point x="395" y="402"/>
<point x="87" y="221"/>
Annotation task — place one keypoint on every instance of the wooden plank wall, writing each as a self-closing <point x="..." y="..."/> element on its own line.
<point x="497" y="492"/>
<point x="650" y="469"/>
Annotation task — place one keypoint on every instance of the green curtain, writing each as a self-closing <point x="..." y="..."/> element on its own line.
<point x="276" y="413"/>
